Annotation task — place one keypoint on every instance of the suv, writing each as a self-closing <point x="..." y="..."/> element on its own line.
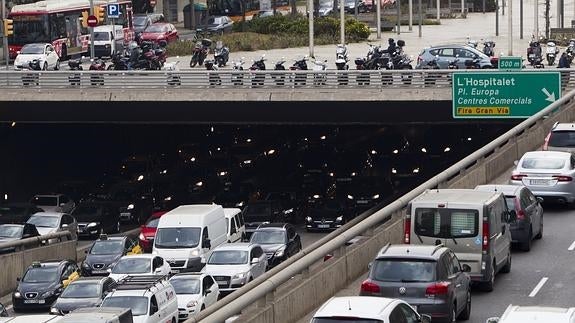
<point x="449" y="53"/>
<point x="529" y="223"/>
<point x="105" y="253"/>
<point x="561" y="138"/>
<point x="235" y="264"/>
<point x="429" y="277"/>
<point x="42" y="283"/>
<point x="279" y="241"/>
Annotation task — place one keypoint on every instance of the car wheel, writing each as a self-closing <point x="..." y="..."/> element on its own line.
<point x="507" y="268"/>
<point x="453" y="315"/>
<point x="57" y="66"/>
<point x="466" y="313"/>
<point x="526" y="245"/>
<point x="540" y="234"/>
<point x="488" y="285"/>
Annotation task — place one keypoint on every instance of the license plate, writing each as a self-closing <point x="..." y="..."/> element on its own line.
<point x="34" y="301"/>
<point x="99" y="271"/>
<point x="539" y="181"/>
<point x="362" y="202"/>
<point x="125" y="214"/>
<point x="323" y="226"/>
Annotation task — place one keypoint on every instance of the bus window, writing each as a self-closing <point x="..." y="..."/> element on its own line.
<point x="29" y="29"/>
<point x="58" y="26"/>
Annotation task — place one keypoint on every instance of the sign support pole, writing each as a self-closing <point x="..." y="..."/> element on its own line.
<point x="91" y="31"/>
<point x="5" y="38"/>
<point x="310" y="10"/>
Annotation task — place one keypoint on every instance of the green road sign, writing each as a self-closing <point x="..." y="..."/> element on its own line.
<point x="510" y="63"/>
<point x="492" y="94"/>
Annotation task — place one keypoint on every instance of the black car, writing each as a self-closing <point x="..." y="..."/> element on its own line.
<point x="95" y="218"/>
<point x="133" y="200"/>
<point x="364" y="192"/>
<point x="42" y="283"/>
<point x="258" y="212"/>
<point x="12" y="232"/>
<point x="17" y="212"/>
<point x="325" y="214"/>
<point x="84" y="292"/>
<point x="279" y="241"/>
<point x="105" y="252"/>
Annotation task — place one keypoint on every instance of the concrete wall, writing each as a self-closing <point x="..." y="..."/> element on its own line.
<point x="14" y="264"/>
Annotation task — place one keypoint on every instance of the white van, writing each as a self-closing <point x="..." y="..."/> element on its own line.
<point x="152" y="299"/>
<point x="236" y="228"/>
<point x="108" y="39"/>
<point x="187" y="234"/>
<point x="98" y="315"/>
<point x="474" y="224"/>
<point x="31" y="318"/>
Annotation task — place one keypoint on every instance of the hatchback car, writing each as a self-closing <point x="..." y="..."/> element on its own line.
<point x="367" y="309"/>
<point x="43" y="52"/>
<point x="548" y="174"/>
<point x="279" y="241"/>
<point x="448" y="53"/>
<point x="84" y="292"/>
<point x="218" y="24"/>
<point x="52" y="222"/>
<point x="529" y="221"/>
<point x="533" y="314"/>
<point x="195" y="292"/>
<point x="95" y="218"/>
<point x="430" y="278"/>
<point x="561" y="138"/>
<point x="160" y="31"/>
<point x="140" y="265"/>
<point x="105" y="253"/>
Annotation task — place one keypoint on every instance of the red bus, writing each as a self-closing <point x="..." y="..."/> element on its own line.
<point x="59" y="22"/>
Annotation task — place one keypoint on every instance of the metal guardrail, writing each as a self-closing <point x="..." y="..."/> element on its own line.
<point x="36" y="241"/>
<point x="246" y="79"/>
<point x="259" y="288"/>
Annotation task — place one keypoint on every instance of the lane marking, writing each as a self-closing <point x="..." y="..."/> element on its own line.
<point x="572" y="246"/>
<point x="538" y="287"/>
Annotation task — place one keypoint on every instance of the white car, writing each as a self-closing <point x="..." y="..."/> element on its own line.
<point x="195" y="292"/>
<point x="529" y="314"/>
<point x="140" y="265"/>
<point x="235" y="264"/>
<point x="43" y="52"/>
<point x="368" y="308"/>
<point x="52" y="222"/>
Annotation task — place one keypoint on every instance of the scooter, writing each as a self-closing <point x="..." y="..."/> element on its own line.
<point x="551" y="52"/>
<point x="97" y="64"/>
<point x="488" y="48"/>
<point x="221" y="54"/>
<point x="238" y="78"/>
<point x="534" y="54"/>
<point x="319" y="78"/>
<point x="258" y="65"/>
<point x="279" y="66"/>
<point x="213" y="78"/>
<point x="341" y="57"/>
<point x="200" y="52"/>
<point x="299" y="65"/>
<point x="75" y="65"/>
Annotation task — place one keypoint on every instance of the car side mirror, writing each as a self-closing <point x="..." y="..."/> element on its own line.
<point x="255" y="261"/>
<point x="207" y="291"/>
<point x="515" y="162"/>
<point x="64" y="226"/>
<point x="207" y="244"/>
<point x="18" y="279"/>
<point x="466" y="268"/>
<point x="158" y="270"/>
<point x="369" y="265"/>
<point x="539" y="199"/>
<point x="492" y="320"/>
<point x="425" y="318"/>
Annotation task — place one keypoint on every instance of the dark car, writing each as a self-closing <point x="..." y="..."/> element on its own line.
<point x="325" y="214"/>
<point x="12" y="232"/>
<point x="95" y="218"/>
<point x="257" y="212"/>
<point x="134" y="201"/>
<point x="42" y="283"/>
<point x="430" y="278"/>
<point x="529" y="222"/>
<point x="364" y="192"/>
<point x="84" y="292"/>
<point x="105" y="252"/>
<point x="17" y="212"/>
<point x="278" y="240"/>
<point x="217" y="24"/>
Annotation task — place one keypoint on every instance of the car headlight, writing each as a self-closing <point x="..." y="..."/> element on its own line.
<point x="54" y="311"/>
<point x="288" y="211"/>
<point x="47" y="294"/>
<point x="308" y="218"/>
<point x="375" y="197"/>
<point x="350" y="197"/>
<point x="131" y="207"/>
<point x="92" y="224"/>
<point x="195" y="253"/>
<point x="17" y="294"/>
<point x="280" y="252"/>
<point x="192" y="304"/>
<point x="239" y="276"/>
<point x="240" y="203"/>
<point x="339" y="218"/>
<point x="222" y="173"/>
<point x="141" y="236"/>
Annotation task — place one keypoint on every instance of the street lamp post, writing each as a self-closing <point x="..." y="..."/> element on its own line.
<point x="510" y="27"/>
<point x="310" y="14"/>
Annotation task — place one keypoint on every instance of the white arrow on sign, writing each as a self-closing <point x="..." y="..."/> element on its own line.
<point x="550" y="96"/>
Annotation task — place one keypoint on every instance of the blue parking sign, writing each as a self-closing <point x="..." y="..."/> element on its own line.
<point x="113" y="10"/>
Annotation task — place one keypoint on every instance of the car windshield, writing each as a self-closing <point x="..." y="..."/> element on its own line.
<point x="186" y="285"/>
<point x="101" y="35"/>
<point x="257" y="210"/>
<point x="446" y="223"/>
<point x="343" y="320"/>
<point x="41" y="275"/>
<point x="403" y="270"/>
<point x="132" y="266"/>
<point x="82" y="290"/>
<point x="228" y="257"/>
<point x="562" y="139"/>
<point x="138" y="304"/>
<point x="268" y="237"/>
<point x="45" y="200"/>
<point x="139" y="21"/>
<point x="11" y="231"/>
<point x="107" y="247"/>
<point x="177" y="238"/>
<point x="44" y="221"/>
<point x="153" y="223"/>
<point x="86" y="213"/>
<point x="33" y="49"/>
<point x="156" y="29"/>
<point x="543" y="163"/>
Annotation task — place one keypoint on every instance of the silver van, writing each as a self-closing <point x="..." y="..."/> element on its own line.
<point x="98" y="315"/>
<point x="474" y="224"/>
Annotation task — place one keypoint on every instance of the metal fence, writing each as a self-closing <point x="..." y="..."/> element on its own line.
<point x="246" y="79"/>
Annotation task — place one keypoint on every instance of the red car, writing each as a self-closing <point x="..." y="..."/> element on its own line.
<point x="148" y="231"/>
<point x="160" y="31"/>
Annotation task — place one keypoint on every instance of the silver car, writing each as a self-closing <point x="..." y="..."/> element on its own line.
<point x="548" y="174"/>
<point x="448" y="53"/>
<point x="52" y="222"/>
<point x="561" y="138"/>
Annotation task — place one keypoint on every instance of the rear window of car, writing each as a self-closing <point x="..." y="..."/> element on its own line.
<point x="543" y="163"/>
<point x="446" y="223"/>
<point x="562" y="139"/>
<point x="403" y="270"/>
<point x="510" y="200"/>
<point x="434" y="52"/>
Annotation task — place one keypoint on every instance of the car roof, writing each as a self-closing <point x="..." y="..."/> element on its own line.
<point x="564" y="126"/>
<point x="120" y="238"/>
<point x="412" y="251"/>
<point x="460" y="196"/>
<point x="547" y="154"/>
<point x="507" y="190"/>
<point x="50" y="263"/>
<point x="190" y="274"/>
<point x="48" y="213"/>
<point x="140" y="255"/>
<point x="526" y="314"/>
<point x="369" y="307"/>
<point x="274" y="225"/>
<point x="48" y="195"/>
<point x="90" y="279"/>
<point x="236" y="246"/>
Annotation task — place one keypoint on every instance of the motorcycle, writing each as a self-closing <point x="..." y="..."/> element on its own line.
<point x="149" y="54"/>
<point x="430" y="78"/>
<point x="173" y="79"/>
<point x="258" y="65"/>
<point x="200" y="52"/>
<point x="75" y="65"/>
<point x="551" y="52"/>
<point x="279" y="66"/>
<point x="341" y="57"/>
<point x="319" y="78"/>
<point x="471" y="42"/>
<point x="97" y="64"/>
<point x="299" y="65"/>
<point x="32" y="78"/>
<point x="213" y="78"/>
<point x="488" y="48"/>
<point x="238" y="78"/>
<point x="221" y="54"/>
<point x="119" y="63"/>
<point x="534" y="55"/>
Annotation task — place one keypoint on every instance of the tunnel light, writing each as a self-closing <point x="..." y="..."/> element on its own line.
<point x="218" y="149"/>
<point x="305" y="139"/>
<point x="140" y="178"/>
<point x="353" y="174"/>
<point x="322" y="137"/>
<point x="375" y="197"/>
<point x="123" y="166"/>
<point x="223" y="173"/>
<point x="373" y="152"/>
<point x="331" y="174"/>
<point x="169" y="198"/>
<point x="5" y="197"/>
<point x="271" y="151"/>
<point x="165" y="171"/>
<point x="468" y="138"/>
<point x="350" y="197"/>
<point x="247" y="161"/>
<point x="193" y="159"/>
<point x="416" y="170"/>
<point x="13" y="124"/>
<point x="179" y="151"/>
<point x="200" y="183"/>
<point x="212" y="129"/>
<point x="423" y="150"/>
<point x="249" y="140"/>
<point x="447" y="149"/>
<point x="393" y="170"/>
<point x="396" y="151"/>
<point x="316" y="196"/>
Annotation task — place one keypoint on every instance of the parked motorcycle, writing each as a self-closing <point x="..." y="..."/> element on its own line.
<point x="431" y="78"/>
<point x="238" y="78"/>
<point x="319" y="78"/>
<point x="488" y="48"/>
<point x="221" y="54"/>
<point x="213" y="78"/>
<point x="32" y="78"/>
<point x="534" y="55"/>
<point x="97" y="64"/>
<point x="341" y="57"/>
<point x="200" y="52"/>
<point x="279" y="66"/>
<point x="471" y="42"/>
<point x="551" y="52"/>
<point x="172" y="78"/>
<point x="75" y="65"/>
<point x="119" y="62"/>
<point x="299" y="65"/>
<point x="258" y="65"/>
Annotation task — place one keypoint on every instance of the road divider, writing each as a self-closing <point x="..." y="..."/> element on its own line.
<point x="572" y="246"/>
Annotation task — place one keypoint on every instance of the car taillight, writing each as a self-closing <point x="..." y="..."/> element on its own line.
<point x="518" y="177"/>
<point x="546" y="143"/>
<point x="520" y="211"/>
<point x="561" y="178"/>
<point x="485" y="244"/>
<point x="369" y="287"/>
<point x="407" y="231"/>
<point x="441" y="288"/>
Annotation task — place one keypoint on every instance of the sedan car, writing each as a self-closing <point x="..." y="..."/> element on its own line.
<point x="12" y="232"/>
<point x="527" y="207"/>
<point x="95" y="218"/>
<point x="160" y="31"/>
<point x="140" y="265"/>
<point x="17" y="213"/>
<point x="43" y="52"/>
<point x="548" y="174"/>
<point x="325" y="214"/>
<point x="533" y="314"/>
<point x="279" y="241"/>
<point x="105" y="253"/>
<point x="217" y="24"/>
<point x="195" y="292"/>
<point x="52" y="222"/>
<point x="84" y="292"/>
<point x="448" y="53"/>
